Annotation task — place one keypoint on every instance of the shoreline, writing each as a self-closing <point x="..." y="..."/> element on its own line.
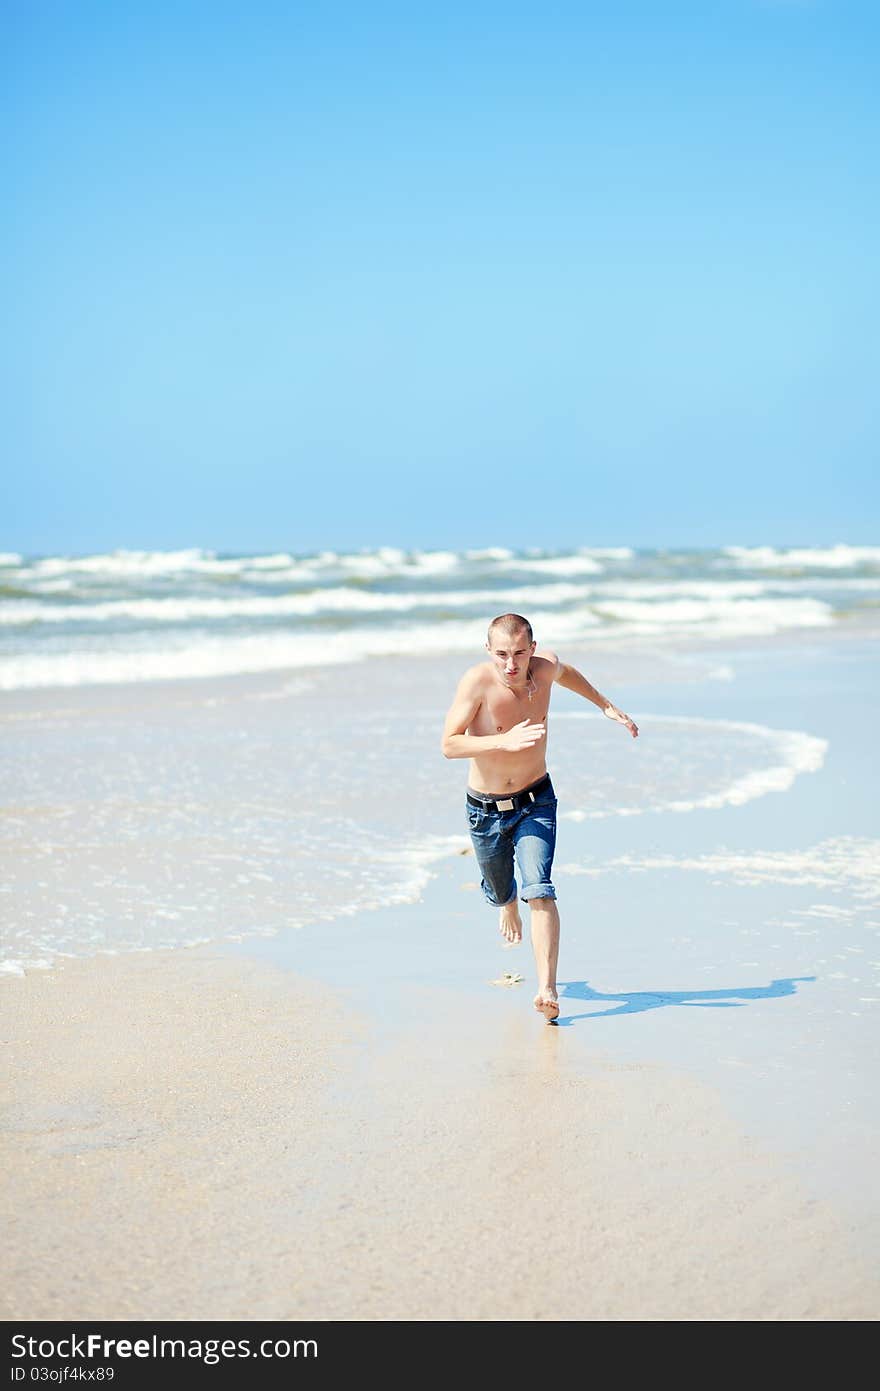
<point x="163" y="814"/>
<point x="337" y="1116"/>
<point x="684" y="658"/>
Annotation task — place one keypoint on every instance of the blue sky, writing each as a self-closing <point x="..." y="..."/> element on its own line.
<point x="310" y="276"/>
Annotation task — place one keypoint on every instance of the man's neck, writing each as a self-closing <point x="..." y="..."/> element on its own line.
<point x="524" y="685"/>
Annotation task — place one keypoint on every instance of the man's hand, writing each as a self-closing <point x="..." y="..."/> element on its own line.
<point x="614" y="714"/>
<point x="522" y="736"/>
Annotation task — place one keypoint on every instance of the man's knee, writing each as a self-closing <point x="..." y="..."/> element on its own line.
<point x="539" y="891"/>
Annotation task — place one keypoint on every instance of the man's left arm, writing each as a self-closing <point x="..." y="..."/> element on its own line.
<point x="574" y="680"/>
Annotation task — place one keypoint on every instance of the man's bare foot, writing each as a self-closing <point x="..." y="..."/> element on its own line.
<point x="547" y="1002"/>
<point x="510" y="923"/>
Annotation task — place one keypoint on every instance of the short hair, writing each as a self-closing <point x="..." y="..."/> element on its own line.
<point x="511" y="623"/>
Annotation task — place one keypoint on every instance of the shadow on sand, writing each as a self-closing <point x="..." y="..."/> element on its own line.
<point x="637" y="1001"/>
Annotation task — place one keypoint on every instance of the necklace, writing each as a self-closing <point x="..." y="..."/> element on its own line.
<point x="531" y="685"/>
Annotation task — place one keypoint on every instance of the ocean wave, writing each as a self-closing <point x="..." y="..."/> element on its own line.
<point x="392" y="562"/>
<point x="131" y="615"/>
<point x="729" y="589"/>
<point x="388" y="563"/>
<point x="384" y="562"/>
<point x="23" y="605"/>
<point x="128" y="564"/>
<point x="744" y="617"/>
<point x="608" y="552"/>
<point x="339" y="601"/>
<point x="217" y="656"/>
<point x="793" y="752"/>
<point x="840" y="557"/>
<point x="188" y="656"/>
<point x="141" y="657"/>
<point x="556" y="565"/>
<point x="730" y="615"/>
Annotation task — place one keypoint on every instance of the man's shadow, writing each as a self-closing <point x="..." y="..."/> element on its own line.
<point x="637" y="1001"/>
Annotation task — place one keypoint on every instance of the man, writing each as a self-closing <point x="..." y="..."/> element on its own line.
<point x="498" y="720"/>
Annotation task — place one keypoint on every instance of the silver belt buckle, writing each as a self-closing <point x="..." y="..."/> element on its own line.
<point x="506" y="805"/>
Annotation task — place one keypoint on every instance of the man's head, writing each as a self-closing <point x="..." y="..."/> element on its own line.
<point x="510" y="646"/>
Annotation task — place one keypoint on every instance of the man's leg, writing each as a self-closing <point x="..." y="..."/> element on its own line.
<point x="545" y="943"/>
<point x="494" y="853"/>
<point x="535" y="846"/>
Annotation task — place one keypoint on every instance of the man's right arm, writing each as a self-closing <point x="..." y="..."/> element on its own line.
<point x="457" y="743"/>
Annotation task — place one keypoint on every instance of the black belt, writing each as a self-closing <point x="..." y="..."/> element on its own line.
<point x="515" y="801"/>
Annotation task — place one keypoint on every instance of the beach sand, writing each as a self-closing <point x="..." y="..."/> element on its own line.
<point x="191" y="1137"/>
<point x="345" y="1120"/>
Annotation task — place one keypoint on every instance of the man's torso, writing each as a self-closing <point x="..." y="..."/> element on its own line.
<point x="500" y="709"/>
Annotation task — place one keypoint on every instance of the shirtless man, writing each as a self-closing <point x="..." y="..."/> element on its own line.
<point x="498" y="720"/>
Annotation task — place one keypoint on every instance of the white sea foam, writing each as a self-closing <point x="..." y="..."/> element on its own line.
<point x="124" y="563"/>
<point x="791" y="751"/>
<point x="59" y="586"/>
<point x="15" y="966"/>
<point x="269" y="562"/>
<point x="558" y="565"/>
<point x="824" y="910"/>
<point x="216" y="656"/>
<point x="724" y="617"/>
<point x="850" y="863"/>
<point x="341" y="600"/>
<point x="435" y="562"/>
<point x="411" y="864"/>
<point x="398" y="872"/>
<point x="727" y="589"/>
<point x="717" y="607"/>
<point x="608" y="552"/>
<point x="300" y="573"/>
<point x="840" y="557"/>
<point x="188" y="655"/>
<point x="144" y="657"/>
<point x="796" y="751"/>
<point x="385" y="561"/>
<point x="388" y="562"/>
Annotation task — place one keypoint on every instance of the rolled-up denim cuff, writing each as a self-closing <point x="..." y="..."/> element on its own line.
<point x="537" y="891"/>
<point x="490" y="893"/>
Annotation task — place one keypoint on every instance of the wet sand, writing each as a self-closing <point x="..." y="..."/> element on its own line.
<point x="192" y="1136"/>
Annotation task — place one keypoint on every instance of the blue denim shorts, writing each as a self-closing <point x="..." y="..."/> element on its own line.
<point x="526" y="835"/>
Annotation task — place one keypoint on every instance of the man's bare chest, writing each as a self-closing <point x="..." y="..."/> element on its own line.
<point x="501" y="710"/>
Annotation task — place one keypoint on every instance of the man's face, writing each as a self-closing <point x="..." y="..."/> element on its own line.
<point x="510" y="654"/>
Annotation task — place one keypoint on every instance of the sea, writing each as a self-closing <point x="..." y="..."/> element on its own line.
<point x="199" y="746"/>
<point x="161" y="615"/>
